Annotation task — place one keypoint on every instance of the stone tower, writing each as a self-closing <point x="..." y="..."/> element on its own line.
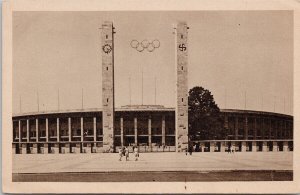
<point x="108" y="104"/>
<point x="181" y="61"/>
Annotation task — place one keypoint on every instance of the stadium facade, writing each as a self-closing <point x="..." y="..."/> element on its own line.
<point x="151" y="128"/>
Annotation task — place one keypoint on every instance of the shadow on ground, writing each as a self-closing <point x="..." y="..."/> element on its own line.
<point x="142" y="176"/>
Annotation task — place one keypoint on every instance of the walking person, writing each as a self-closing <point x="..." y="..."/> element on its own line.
<point x="136" y="153"/>
<point x="191" y="149"/>
<point x="126" y="153"/>
<point x="233" y="148"/>
<point x="120" y="153"/>
<point x="229" y="149"/>
<point x="123" y="151"/>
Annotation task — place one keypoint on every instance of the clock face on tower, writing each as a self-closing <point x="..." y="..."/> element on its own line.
<point x="107" y="48"/>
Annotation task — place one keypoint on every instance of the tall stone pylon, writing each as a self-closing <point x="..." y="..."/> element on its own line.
<point x="108" y="104"/>
<point x="181" y="42"/>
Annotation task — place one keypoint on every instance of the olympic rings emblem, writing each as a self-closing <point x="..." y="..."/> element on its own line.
<point x="145" y="44"/>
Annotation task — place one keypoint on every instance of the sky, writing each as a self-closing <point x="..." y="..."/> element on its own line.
<point x="245" y="58"/>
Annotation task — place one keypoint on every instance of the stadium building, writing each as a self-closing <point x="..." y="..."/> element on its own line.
<point x="152" y="128"/>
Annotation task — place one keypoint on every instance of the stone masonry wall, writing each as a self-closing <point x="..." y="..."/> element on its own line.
<point x="181" y="87"/>
<point x="108" y="86"/>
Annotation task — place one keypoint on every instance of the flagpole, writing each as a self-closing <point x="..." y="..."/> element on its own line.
<point x="82" y="98"/>
<point x="38" y="101"/>
<point x="58" y="99"/>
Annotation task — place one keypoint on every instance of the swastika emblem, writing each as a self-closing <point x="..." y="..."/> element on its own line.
<point x="107" y="48"/>
<point x="182" y="47"/>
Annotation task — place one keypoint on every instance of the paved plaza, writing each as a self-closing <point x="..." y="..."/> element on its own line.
<point x="108" y="162"/>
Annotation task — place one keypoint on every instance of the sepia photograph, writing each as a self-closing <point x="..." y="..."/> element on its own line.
<point x="159" y="96"/>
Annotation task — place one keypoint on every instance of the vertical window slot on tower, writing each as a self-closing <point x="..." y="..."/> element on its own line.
<point x="182" y="36"/>
<point x="181" y="67"/>
<point x="106" y="67"/>
<point x="181" y="99"/>
<point x="106" y="36"/>
<point x="106" y="99"/>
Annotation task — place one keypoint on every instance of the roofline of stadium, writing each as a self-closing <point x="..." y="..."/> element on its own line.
<point x="143" y="108"/>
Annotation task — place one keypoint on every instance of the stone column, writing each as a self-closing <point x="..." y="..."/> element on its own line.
<point x="281" y="129"/>
<point x="108" y="100"/>
<point x="77" y="148"/>
<point x="276" y="129"/>
<point x="288" y="130"/>
<point x="236" y="128"/>
<point x="149" y="133"/>
<point x="27" y="131"/>
<point x="202" y="145"/>
<point x="67" y="148"/>
<point x="285" y="129"/>
<point x="254" y="147"/>
<point x="55" y="148"/>
<point x="95" y="128"/>
<point x="20" y="135"/>
<point x="57" y="130"/>
<point x="69" y="129"/>
<point x="246" y="128"/>
<point x="34" y="149"/>
<point x="88" y="148"/>
<point x="122" y="131"/>
<point x="262" y="129"/>
<point x="244" y="146"/>
<point x="275" y="147"/>
<point x="81" y="129"/>
<point x="181" y="67"/>
<point x="47" y="131"/>
<point x="46" y="148"/>
<point x="24" y="148"/>
<point x="222" y="149"/>
<point x="163" y="130"/>
<point x="37" y="130"/>
<point x="265" y="146"/>
<point x="135" y="131"/>
<point x="255" y="129"/>
<point x="212" y="146"/>
<point x="285" y="146"/>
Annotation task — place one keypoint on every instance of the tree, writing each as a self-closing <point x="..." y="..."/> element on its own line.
<point x="205" y="121"/>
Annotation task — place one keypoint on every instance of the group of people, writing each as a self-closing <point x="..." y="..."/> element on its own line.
<point x="124" y="151"/>
<point x="189" y="150"/>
